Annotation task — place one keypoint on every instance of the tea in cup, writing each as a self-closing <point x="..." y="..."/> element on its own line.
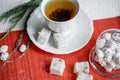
<point x="60" y="15"/>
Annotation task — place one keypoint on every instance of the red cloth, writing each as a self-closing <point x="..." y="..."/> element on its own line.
<point x="35" y="64"/>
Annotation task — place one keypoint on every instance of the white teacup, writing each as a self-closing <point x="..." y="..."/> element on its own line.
<point x="60" y="26"/>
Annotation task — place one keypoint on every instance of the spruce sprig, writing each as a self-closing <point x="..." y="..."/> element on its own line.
<point x="16" y="10"/>
<point x="17" y="14"/>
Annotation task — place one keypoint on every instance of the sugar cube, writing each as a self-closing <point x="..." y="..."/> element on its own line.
<point x="84" y="76"/>
<point x="43" y="36"/>
<point x="57" y="66"/>
<point x="80" y="67"/>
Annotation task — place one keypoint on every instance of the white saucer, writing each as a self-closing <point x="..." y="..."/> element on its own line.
<point x="79" y="36"/>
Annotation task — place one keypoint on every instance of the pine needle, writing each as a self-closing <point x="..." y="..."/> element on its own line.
<point x="14" y="11"/>
<point x="15" y="21"/>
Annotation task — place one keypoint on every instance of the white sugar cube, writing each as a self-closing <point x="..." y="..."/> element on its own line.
<point x="84" y="76"/>
<point x="43" y="36"/>
<point x="80" y="67"/>
<point x="22" y="48"/>
<point x="107" y="36"/>
<point x="4" y="56"/>
<point x="3" y="48"/>
<point x="59" y="40"/>
<point x="57" y="66"/>
<point x="100" y="43"/>
<point x="99" y="53"/>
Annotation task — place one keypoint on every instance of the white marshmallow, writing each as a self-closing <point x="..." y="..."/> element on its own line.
<point x="108" y="68"/>
<point x="100" y="43"/>
<point x="112" y="64"/>
<point x="4" y="56"/>
<point x="83" y="76"/>
<point x="57" y="66"/>
<point x="22" y="48"/>
<point x="81" y="67"/>
<point x="97" y="59"/>
<point x="59" y="40"/>
<point x="108" y="51"/>
<point x="43" y="36"/>
<point x="102" y="63"/>
<point x="117" y="49"/>
<point x="99" y="53"/>
<point x="107" y="36"/>
<point x="116" y="58"/>
<point x="117" y="67"/>
<point x="108" y="58"/>
<point x="111" y="44"/>
<point x="3" y="48"/>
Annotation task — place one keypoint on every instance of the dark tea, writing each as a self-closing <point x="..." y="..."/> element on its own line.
<point x="60" y="10"/>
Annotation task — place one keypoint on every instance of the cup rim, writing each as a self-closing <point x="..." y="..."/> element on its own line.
<point x="43" y="12"/>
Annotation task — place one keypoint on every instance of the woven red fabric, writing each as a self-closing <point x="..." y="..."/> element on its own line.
<point x="35" y="64"/>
